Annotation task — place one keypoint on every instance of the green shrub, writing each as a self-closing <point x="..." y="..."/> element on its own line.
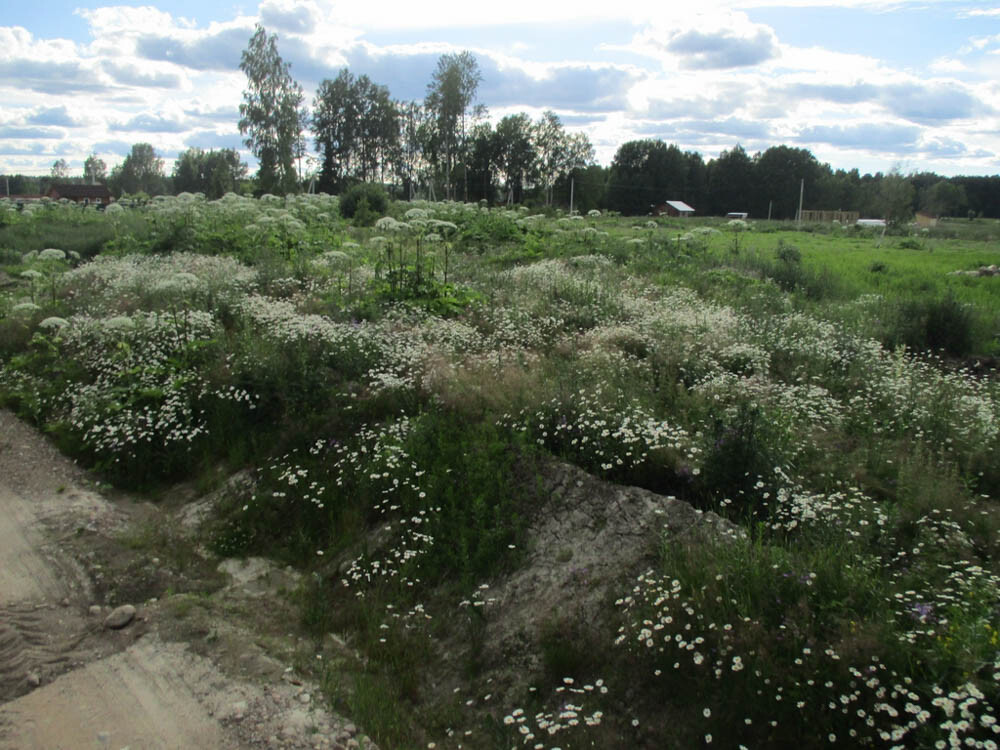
<point x="370" y="199"/>
<point x="943" y="324"/>
<point x="739" y="466"/>
<point x="788" y="253"/>
<point x="949" y="326"/>
<point x="482" y="229"/>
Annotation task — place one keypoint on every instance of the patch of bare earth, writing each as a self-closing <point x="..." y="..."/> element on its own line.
<point x="585" y="546"/>
<point x="117" y="631"/>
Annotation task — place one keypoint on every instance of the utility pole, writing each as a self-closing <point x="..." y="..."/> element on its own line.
<point x="802" y="190"/>
<point x="572" y="183"/>
<point x="770" y="205"/>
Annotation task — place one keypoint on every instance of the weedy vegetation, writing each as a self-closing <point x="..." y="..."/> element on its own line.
<point x="399" y="378"/>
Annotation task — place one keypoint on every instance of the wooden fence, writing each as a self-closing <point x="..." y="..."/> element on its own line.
<point x="844" y="217"/>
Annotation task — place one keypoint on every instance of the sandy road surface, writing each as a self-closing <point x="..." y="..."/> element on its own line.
<point x="144" y="697"/>
<point x="149" y="696"/>
<point x="67" y="681"/>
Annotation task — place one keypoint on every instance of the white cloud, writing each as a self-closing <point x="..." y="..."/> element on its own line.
<point x="124" y="21"/>
<point x="703" y="40"/>
<point x="297" y="16"/>
<point x="977" y="12"/>
<point x="150" y="122"/>
<point x="52" y="116"/>
<point x="948" y="65"/>
<point x="705" y="78"/>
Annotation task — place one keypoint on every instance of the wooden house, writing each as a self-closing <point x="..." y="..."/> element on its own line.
<point x="91" y="194"/>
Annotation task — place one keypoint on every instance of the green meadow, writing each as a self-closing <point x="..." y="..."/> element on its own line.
<point x="440" y="411"/>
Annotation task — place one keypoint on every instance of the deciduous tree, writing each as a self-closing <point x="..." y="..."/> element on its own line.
<point x="213" y="173"/>
<point x="515" y="154"/>
<point x="558" y="152"/>
<point x="779" y="172"/>
<point x="412" y="164"/>
<point x="730" y="181"/>
<point x="94" y="169"/>
<point x="450" y="96"/>
<point x="895" y="198"/>
<point x="646" y="173"/>
<point x="943" y="198"/>
<point x="356" y="127"/>
<point x="60" y="170"/>
<point x="271" y="115"/>
<point x="141" y="172"/>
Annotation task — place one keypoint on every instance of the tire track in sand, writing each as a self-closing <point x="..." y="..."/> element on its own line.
<point x="152" y="695"/>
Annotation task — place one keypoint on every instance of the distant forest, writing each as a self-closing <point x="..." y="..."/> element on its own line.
<point x="445" y="147"/>
<point x="643" y="174"/>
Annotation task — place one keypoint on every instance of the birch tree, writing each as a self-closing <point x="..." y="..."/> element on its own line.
<point x="271" y="115"/>
<point x="450" y="97"/>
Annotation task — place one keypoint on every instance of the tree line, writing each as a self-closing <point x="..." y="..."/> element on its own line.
<point x="522" y="162"/>
<point x="647" y="172"/>
<point x="213" y="172"/>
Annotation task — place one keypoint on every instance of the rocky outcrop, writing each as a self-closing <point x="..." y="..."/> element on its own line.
<point x="992" y="270"/>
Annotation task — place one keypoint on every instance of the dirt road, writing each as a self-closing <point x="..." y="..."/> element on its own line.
<point x="194" y="670"/>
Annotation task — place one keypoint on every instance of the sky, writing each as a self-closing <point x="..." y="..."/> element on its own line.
<point x="867" y="84"/>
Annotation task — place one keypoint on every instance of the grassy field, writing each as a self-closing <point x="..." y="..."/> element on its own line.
<point x="430" y="408"/>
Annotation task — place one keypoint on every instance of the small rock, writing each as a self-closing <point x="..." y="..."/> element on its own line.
<point x="238" y="710"/>
<point x="120" y="617"/>
<point x="305" y="698"/>
<point x="65" y="602"/>
<point x="95" y="609"/>
<point x="353" y="744"/>
<point x="350" y="729"/>
<point x="33" y="679"/>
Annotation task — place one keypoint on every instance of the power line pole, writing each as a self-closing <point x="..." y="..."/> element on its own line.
<point x="571" y="185"/>
<point x="802" y="190"/>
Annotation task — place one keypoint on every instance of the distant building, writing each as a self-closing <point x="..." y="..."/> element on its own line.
<point x="93" y="194"/>
<point x="673" y="208"/>
<point x="925" y="219"/>
<point x="737" y="215"/>
<point x="870" y="222"/>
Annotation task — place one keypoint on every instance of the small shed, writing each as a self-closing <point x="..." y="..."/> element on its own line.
<point x="93" y="194"/>
<point x="924" y="219"/>
<point x="673" y="208"/>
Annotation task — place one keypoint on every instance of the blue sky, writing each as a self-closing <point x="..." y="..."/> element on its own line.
<point x="872" y="84"/>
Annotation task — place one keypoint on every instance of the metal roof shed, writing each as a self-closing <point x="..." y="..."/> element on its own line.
<point x="676" y="208"/>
